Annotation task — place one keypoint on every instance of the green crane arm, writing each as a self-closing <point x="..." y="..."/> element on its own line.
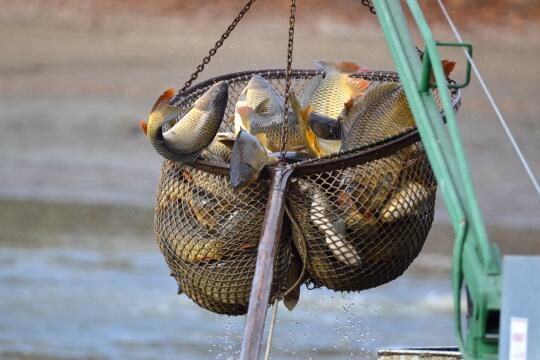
<point x="476" y="262"/>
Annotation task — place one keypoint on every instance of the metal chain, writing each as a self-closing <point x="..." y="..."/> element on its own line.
<point x="217" y="45"/>
<point x="290" y="46"/>
<point x="369" y="5"/>
<point x="371" y="8"/>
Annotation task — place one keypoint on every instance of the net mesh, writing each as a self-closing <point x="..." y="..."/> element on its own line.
<point x="356" y="227"/>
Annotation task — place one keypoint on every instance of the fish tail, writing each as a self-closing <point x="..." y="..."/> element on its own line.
<point x="448" y="67"/>
<point x="346" y="67"/>
<point x="162" y="103"/>
<point x="144" y="127"/>
<point x="357" y="87"/>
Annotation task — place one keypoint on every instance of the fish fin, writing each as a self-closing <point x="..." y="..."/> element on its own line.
<point x="302" y="116"/>
<point x="163" y="100"/>
<point x="346" y="67"/>
<point x="229" y="143"/>
<point x="144" y="127"/>
<point x="295" y="103"/>
<point x="263" y="106"/>
<point x="357" y="87"/>
<point x="448" y="66"/>
<point x="291" y="299"/>
<point x="244" y="112"/>
<point x="348" y="106"/>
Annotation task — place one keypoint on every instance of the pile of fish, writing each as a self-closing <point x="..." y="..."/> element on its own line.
<point x="357" y="228"/>
<point x="313" y="126"/>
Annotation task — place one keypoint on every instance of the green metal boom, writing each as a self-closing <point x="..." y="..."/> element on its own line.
<point x="476" y="262"/>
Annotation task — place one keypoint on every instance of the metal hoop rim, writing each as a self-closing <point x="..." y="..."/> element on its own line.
<point x="334" y="161"/>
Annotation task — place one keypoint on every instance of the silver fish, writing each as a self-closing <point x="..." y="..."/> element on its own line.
<point x="248" y="158"/>
<point x="258" y="90"/>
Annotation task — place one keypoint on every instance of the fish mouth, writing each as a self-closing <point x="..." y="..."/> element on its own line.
<point x="242" y="177"/>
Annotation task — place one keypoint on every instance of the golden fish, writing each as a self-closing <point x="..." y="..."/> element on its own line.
<point x="258" y="90"/>
<point x="404" y="202"/>
<point x="382" y="113"/>
<point x="248" y="158"/>
<point x="327" y="95"/>
<point x="194" y="131"/>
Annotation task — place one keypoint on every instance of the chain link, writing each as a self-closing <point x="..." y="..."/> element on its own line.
<point x="217" y="45"/>
<point x="371" y="8"/>
<point x="290" y="46"/>
<point x="369" y="5"/>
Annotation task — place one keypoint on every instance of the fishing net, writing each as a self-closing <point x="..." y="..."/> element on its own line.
<point x="357" y="225"/>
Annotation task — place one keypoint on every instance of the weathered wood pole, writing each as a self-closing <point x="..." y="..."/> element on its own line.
<point x="262" y="280"/>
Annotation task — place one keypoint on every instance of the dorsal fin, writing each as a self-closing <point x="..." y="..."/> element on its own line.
<point x="229" y="143"/>
<point x="362" y="104"/>
<point x="263" y="106"/>
<point x="448" y="66"/>
<point x="163" y="100"/>
<point x="227" y="139"/>
<point x="346" y="67"/>
<point x="357" y="87"/>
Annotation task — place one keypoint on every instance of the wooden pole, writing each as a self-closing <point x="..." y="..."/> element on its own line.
<point x="262" y="280"/>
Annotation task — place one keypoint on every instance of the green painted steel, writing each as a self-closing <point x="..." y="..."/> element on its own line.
<point x="476" y="262"/>
<point x="425" y="82"/>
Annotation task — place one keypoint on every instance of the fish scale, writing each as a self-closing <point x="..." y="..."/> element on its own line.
<point x="268" y="130"/>
<point x="258" y="90"/>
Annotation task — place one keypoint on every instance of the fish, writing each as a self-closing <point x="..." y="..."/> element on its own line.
<point x="220" y="148"/>
<point x="406" y="201"/>
<point x="266" y="127"/>
<point x="314" y="144"/>
<point x="334" y="231"/>
<point x="248" y="158"/>
<point x="194" y="131"/>
<point x="383" y="112"/>
<point x="258" y="89"/>
<point x="327" y="94"/>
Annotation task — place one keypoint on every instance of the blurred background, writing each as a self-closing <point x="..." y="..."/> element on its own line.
<point x="81" y="276"/>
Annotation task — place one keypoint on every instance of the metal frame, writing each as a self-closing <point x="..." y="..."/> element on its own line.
<point x="476" y="261"/>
